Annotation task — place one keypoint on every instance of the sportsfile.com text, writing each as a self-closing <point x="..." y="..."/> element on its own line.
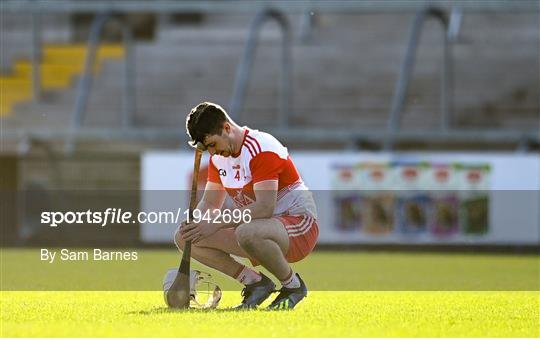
<point x="119" y="216"/>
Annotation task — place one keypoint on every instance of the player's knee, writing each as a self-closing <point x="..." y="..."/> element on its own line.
<point x="247" y="235"/>
<point x="181" y="243"/>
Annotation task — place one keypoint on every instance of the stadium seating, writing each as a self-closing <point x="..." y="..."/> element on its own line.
<point x="60" y="63"/>
<point x="339" y="79"/>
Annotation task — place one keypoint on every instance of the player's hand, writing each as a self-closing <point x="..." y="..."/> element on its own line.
<point x="181" y="227"/>
<point x="195" y="232"/>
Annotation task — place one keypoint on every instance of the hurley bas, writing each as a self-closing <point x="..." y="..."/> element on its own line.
<point x="94" y="255"/>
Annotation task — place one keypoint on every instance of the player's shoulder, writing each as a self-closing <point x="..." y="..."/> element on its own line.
<point x="258" y="141"/>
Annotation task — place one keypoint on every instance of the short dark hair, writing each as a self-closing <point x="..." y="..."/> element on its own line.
<point x="205" y="119"/>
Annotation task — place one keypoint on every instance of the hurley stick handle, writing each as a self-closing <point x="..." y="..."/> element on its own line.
<point x="192" y="205"/>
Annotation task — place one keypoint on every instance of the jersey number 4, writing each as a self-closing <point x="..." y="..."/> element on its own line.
<point x="237" y="176"/>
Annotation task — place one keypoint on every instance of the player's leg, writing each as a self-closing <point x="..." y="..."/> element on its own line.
<point x="267" y="241"/>
<point x="215" y="251"/>
<point x="276" y="242"/>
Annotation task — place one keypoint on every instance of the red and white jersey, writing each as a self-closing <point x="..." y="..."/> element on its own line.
<point x="262" y="157"/>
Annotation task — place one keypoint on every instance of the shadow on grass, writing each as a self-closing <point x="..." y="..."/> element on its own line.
<point x="165" y="310"/>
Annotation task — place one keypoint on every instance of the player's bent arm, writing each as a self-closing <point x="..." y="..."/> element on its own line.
<point x="265" y="204"/>
<point x="266" y="198"/>
<point x="213" y="197"/>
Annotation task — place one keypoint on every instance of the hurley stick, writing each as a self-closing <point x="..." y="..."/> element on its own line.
<point x="178" y="294"/>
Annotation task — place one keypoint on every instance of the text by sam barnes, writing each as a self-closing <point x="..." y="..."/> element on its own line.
<point x="87" y="255"/>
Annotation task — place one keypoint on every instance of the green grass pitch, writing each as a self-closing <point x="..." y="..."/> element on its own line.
<point x="367" y="311"/>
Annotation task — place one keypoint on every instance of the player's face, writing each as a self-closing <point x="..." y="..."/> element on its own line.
<point x="219" y="144"/>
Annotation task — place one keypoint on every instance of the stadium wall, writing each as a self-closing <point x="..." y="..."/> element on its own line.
<point x="494" y="197"/>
